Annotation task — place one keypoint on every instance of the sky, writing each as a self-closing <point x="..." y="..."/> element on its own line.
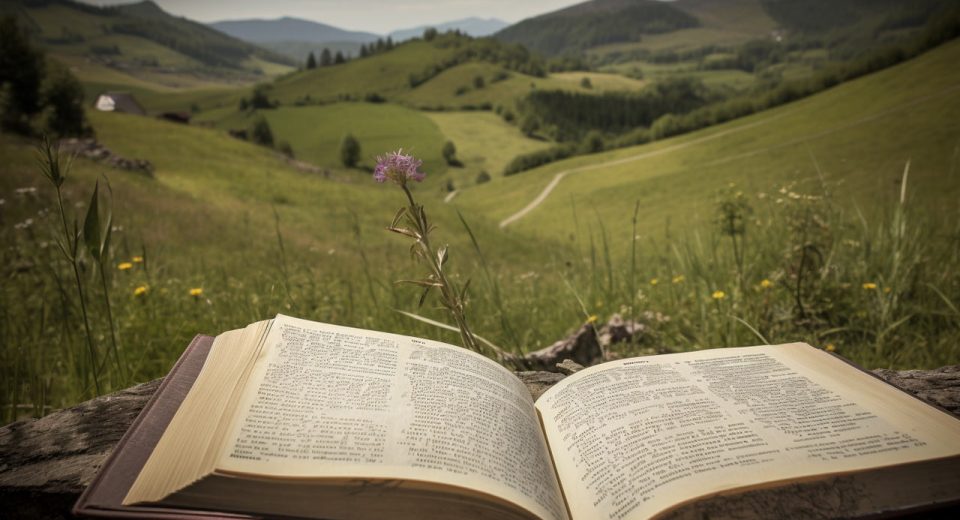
<point x="377" y="16"/>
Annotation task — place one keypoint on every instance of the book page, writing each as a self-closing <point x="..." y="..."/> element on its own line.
<point x="338" y="402"/>
<point x="633" y="437"/>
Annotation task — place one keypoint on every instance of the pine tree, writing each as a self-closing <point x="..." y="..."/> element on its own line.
<point x="338" y="59"/>
<point x="363" y="50"/>
<point x="349" y="151"/>
<point x="261" y="132"/>
<point x="311" y="61"/>
<point x="326" y="59"/>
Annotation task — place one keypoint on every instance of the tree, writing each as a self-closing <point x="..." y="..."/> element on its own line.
<point x="593" y="142"/>
<point x="429" y="34"/>
<point x="63" y="94"/>
<point x="21" y="75"/>
<point x="338" y="59"/>
<point x="261" y="132"/>
<point x="311" y="61"/>
<point x="586" y="83"/>
<point x="363" y="50"/>
<point x="530" y="125"/>
<point x="259" y="97"/>
<point x="450" y="153"/>
<point x="478" y="82"/>
<point x="349" y="151"/>
<point x="326" y="59"/>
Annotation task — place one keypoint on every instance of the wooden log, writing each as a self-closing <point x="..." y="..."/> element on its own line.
<point x="46" y="463"/>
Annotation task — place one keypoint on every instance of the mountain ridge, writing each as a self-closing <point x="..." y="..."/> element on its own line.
<point x="472" y="25"/>
<point x="289" y="29"/>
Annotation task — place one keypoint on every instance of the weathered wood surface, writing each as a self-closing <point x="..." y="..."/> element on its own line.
<point x="46" y="463"/>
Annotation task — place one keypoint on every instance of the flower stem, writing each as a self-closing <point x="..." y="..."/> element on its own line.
<point x="72" y="244"/>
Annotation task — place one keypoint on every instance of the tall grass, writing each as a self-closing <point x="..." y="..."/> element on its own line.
<point x="883" y="291"/>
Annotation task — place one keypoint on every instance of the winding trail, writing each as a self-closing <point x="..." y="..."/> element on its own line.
<point x="680" y="146"/>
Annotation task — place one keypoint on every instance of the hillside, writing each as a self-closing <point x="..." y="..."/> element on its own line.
<point x="596" y="22"/>
<point x="859" y="135"/>
<point x="140" y="44"/>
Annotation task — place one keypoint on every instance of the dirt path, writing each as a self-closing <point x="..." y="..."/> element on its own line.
<point x="865" y="119"/>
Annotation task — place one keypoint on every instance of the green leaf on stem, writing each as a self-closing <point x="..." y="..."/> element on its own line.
<point x="91" y="225"/>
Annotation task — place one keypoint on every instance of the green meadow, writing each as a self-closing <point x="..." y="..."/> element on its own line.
<point x="800" y="223"/>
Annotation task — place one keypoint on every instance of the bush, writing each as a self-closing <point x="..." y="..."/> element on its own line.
<point x="349" y="151"/>
<point x="259" y="98"/>
<point x="261" y="132"/>
<point x="478" y="82"/>
<point x="63" y="95"/>
<point x="450" y="153"/>
<point x="592" y="143"/>
<point x="483" y="177"/>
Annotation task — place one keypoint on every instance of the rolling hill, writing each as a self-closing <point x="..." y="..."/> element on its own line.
<point x="858" y="135"/>
<point x="141" y="45"/>
<point x="597" y="22"/>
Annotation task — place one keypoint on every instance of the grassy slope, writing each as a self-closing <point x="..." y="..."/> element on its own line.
<point x="315" y="132"/>
<point x="441" y="90"/>
<point x="483" y="141"/>
<point x="729" y="22"/>
<point x="172" y="69"/>
<point x="384" y="74"/>
<point x="860" y="133"/>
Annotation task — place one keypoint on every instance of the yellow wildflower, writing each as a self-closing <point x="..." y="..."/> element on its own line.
<point x="196" y="292"/>
<point x="592" y="318"/>
<point x="869" y="286"/>
<point x="679" y="278"/>
<point x="123" y="266"/>
<point x="719" y="295"/>
<point x="137" y="259"/>
<point x="887" y="290"/>
<point x="654" y="281"/>
<point x="140" y="291"/>
<point x="766" y="284"/>
<point x="830" y="347"/>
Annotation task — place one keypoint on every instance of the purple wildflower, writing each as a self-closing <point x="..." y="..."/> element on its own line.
<point x="397" y="167"/>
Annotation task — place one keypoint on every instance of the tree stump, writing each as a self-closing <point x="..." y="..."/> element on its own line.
<point x="46" y="463"/>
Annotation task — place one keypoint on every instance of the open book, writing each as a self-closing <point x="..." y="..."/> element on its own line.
<point x="302" y="419"/>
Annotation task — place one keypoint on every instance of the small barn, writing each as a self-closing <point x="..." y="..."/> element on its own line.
<point x="123" y="102"/>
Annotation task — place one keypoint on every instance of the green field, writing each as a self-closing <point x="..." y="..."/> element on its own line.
<point x="315" y="132"/>
<point x="861" y="134"/>
<point x="621" y="232"/>
<point x="484" y="142"/>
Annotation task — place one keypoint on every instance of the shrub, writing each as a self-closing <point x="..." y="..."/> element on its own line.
<point x="483" y="177"/>
<point x="349" y="151"/>
<point x="261" y="132"/>
<point x="63" y="95"/>
<point x="449" y="153"/>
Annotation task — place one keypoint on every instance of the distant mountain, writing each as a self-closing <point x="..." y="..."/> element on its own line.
<point x="473" y="26"/>
<point x="597" y="22"/>
<point x="288" y="29"/>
